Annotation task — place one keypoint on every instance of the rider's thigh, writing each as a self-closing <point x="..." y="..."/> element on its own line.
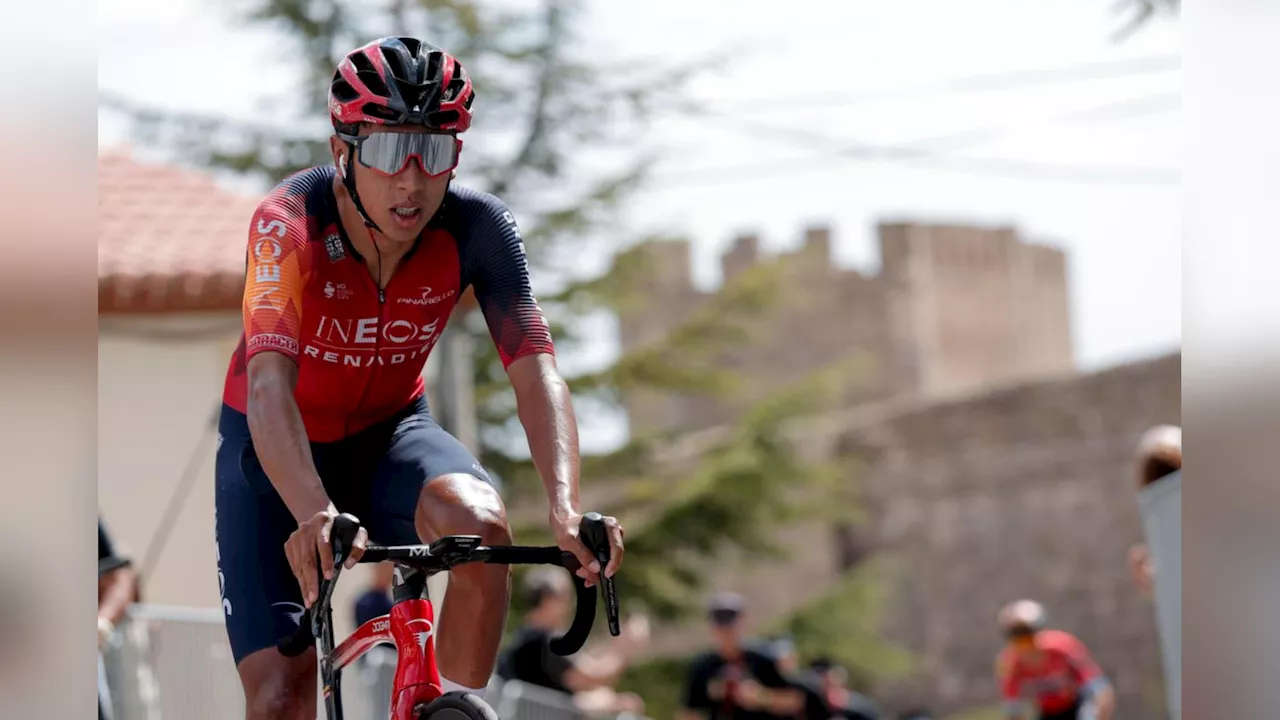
<point x="261" y="601"/>
<point x="421" y="454"/>
<point x="277" y="687"/>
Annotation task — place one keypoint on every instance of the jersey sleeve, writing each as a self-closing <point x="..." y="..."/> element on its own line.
<point x="1082" y="664"/>
<point x="275" y="274"/>
<point x="496" y="266"/>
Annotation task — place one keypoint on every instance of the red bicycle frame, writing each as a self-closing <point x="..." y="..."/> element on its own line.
<point x="410" y="627"/>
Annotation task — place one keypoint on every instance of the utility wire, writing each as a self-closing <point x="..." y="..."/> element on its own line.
<point x="1129" y="108"/>
<point x="990" y="82"/>
<point x="925" y="151"/>
<point x="178" y="500"/>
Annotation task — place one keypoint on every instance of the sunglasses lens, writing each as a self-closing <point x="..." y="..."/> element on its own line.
<point x="390" y="152"/>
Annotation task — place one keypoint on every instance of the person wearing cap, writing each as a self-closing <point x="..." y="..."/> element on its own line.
<point x="734" y="681"/>
<point x="117" y="589"/>
<point x="589" y="677"/>
<point x="828" y="695"/>
<point x="1048" y="674"/>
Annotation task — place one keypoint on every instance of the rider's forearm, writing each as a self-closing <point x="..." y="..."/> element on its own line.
<point x="280" y="441"/>
<point x="546" y="412"/>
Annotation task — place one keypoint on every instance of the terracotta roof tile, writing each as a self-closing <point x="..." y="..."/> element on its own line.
<point x="169" y="239"/>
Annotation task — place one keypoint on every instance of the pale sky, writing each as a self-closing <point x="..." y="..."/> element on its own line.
<point x="1123" y="240"/>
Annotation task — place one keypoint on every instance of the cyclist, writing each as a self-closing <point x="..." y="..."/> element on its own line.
<point x="352" y="271"/>
<point x="1048" y="669"/>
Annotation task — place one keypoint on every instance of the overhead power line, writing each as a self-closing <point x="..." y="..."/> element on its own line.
<point x="987" y="167"/>
<point x="838" y="152"/>
<point x="990" y="82"/>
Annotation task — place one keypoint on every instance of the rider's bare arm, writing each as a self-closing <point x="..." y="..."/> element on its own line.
<point x="500" y="272"/>
<point x="276" y="259"/>
<point x="497" y="268"/>
<point x="546" y="412"/>
<point x="279" y="436"/>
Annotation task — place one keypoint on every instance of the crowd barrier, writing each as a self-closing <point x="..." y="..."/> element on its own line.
<point x="167" y="663"/>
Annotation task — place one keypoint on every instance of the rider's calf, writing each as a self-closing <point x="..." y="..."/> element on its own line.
<point x="475" y="604"/>
<point x="279" y="688"/>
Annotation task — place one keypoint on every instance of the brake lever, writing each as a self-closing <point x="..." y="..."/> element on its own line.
<point x="595" y="536"/>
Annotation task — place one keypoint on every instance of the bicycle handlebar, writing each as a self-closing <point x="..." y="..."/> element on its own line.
<point x="453" y="550"/>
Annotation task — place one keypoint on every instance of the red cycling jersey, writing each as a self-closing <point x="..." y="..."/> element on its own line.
<point x="360" y="350"/>
<point x="1054" y="680"/>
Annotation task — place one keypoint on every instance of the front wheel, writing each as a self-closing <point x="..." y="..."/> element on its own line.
<point x="455" y="706"/>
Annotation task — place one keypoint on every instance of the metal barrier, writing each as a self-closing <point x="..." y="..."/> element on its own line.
<point x="514" y="700"/>
<point x="167" y="663"/>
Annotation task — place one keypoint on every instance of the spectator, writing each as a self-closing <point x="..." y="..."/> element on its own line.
<point x="375" y="601"/>
<point x="589" y="677"/>
<point x="735" y="682"/>
<point x="1159" y="455"/>
<point x="830" y="696"/>
<point x="117" y="589"/>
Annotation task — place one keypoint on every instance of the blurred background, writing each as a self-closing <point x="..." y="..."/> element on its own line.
<point x="865" y="307"/>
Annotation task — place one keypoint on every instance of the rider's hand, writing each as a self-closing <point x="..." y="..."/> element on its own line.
<point x="311" y="537"/>
<point x="565" y="524"/>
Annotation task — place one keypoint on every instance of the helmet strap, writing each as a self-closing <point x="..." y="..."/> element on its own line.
<point x="349" y="181"/>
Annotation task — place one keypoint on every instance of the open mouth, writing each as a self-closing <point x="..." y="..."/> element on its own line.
<point x="406" y="216"/>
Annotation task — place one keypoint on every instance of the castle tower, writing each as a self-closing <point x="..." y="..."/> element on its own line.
<point x="974" y="307"/>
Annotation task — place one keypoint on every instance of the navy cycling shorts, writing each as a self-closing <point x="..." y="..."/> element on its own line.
<point x="376" y="475"/>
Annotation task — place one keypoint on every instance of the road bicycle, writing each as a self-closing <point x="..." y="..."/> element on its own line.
<point x="410" y="625"/>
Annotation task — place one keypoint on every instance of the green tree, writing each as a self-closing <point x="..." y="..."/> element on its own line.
<point x="541" y="109"/>
<point x="842" y="624"/>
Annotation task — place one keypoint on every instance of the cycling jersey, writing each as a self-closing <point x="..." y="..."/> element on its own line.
<point x="1056" y="681"/>
<point x="360" y="349"/>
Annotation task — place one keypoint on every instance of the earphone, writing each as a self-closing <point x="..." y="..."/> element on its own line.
<point x="342" y="165"/>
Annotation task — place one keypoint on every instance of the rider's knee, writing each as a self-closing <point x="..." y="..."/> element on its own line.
<point x="466" y="506"/>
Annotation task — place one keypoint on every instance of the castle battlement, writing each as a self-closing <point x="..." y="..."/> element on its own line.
<point x="954" y="308"/>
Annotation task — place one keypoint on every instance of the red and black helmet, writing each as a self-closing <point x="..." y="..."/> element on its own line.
<point x="401" y="81"/>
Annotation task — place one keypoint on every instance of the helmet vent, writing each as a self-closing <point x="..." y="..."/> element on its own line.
<point x="455" y="88"/>
<point x="368" y="74"/>
<point x="442" y="117"/>
<point x="342" y="90"/>
<point x="382" y="112"/>
<point x="395" y="64"/>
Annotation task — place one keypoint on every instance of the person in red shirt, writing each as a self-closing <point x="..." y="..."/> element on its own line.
<point x="1048" y="670"/>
